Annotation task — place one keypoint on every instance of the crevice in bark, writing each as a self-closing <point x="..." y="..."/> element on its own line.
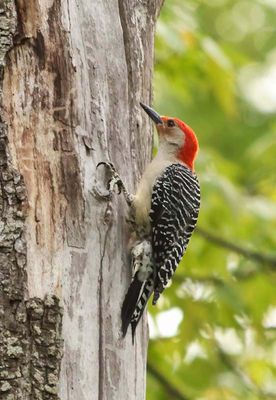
<point x="133" y="123"/>
<point x="123" y="22"/>
<point x="101" y="353"/>
<point x="136" y="17"/>
<point x="100" y="324"/>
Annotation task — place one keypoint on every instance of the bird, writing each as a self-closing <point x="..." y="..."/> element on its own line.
<point x="165" y="210"/>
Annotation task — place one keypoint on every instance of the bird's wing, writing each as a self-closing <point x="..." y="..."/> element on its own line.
<point x="174" y="210"/>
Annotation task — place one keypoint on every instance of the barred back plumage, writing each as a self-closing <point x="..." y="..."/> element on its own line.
<point x="174" y="210"/>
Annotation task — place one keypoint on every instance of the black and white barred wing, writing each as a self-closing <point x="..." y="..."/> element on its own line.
<point x="174" y="211"/>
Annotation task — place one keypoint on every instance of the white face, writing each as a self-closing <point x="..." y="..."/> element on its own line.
<point x="171" y="133"/>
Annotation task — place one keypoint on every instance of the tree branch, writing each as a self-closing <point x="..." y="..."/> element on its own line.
<point x="172" y="391"/>
<point x="251" y="254"/>
<point x="242" y="375"/>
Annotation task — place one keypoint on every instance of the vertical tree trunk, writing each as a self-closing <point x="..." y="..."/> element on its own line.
<point x="72" y="76"/>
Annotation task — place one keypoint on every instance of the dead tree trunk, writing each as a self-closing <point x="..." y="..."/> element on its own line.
<point x="72" y="76"/>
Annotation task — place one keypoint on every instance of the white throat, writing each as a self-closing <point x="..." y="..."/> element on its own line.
<point x="167" y="155"/>
<point x="167" y="150"/>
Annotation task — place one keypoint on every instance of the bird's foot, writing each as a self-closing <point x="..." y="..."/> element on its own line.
<point x="142" y="260"/>
<point x="112" y="179"/>
<point x="156" y="295"/>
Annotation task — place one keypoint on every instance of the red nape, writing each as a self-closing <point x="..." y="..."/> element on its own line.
<point x="190" y="149"/>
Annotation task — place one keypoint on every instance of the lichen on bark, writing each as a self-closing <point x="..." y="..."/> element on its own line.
<point x="30" y="330"/>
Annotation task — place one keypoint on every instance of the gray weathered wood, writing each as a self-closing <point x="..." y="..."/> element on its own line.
<point x="73" y="74"/>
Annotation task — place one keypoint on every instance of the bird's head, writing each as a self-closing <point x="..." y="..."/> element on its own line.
<point x="176" y="133"/>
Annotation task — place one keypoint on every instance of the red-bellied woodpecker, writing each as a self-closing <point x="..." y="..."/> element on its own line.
<point x="165" y="210"/>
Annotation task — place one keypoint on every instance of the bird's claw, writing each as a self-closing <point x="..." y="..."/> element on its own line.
<point x="106" y="164"/>
<point x="114" y="180"/>
<point x="156" y="296"/>
<point x="99" y="194"/>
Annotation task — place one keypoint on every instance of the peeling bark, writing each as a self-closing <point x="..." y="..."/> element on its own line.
<point x="72" y="76"/>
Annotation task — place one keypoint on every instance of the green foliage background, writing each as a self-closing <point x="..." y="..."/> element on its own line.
<point x="214" y="70"/>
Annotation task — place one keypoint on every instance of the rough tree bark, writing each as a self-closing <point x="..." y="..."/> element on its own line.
<point x="72" y="75"/>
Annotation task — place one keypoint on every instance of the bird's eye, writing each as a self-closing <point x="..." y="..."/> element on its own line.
<point x="170" y="122"/>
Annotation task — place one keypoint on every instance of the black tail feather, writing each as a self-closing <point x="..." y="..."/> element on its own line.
<point x="130" y="302"/>
<point x="134" y="304"/>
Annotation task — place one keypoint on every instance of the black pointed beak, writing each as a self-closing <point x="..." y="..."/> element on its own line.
<point x="152" y="114"/>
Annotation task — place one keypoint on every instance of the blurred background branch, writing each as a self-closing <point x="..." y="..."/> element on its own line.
<point x="216" y="70"/>
<point x="253" y="255"/>
<point x="170" y="389"/>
